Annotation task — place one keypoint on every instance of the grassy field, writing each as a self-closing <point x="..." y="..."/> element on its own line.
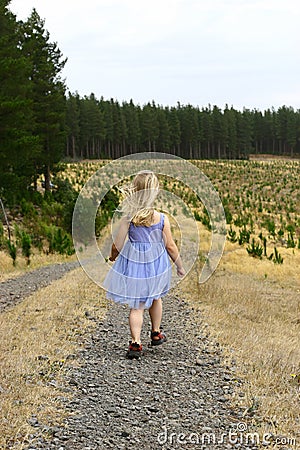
<point x="251" y="305"/>
<point x="38" y="259"/>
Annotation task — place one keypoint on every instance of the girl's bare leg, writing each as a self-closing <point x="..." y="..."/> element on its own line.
<point x="156" y="314"/>
<point x="136" y="323"/>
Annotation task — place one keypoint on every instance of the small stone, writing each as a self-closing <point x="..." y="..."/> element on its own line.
<point x="125" y="434"/>
<point x="152" y="408"/>
<point x="43" y="358"/>
<point x="222" y="399"/>
<point x="33" y="421"/>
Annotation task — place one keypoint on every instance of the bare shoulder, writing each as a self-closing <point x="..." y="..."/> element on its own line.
<point x="124" y="223"/>
<point x="156" y="217"/>
<point x="166" y="221"/>
<point x="125" y="220"/>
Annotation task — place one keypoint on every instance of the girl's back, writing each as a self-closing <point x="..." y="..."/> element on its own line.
<point x="152" y="233"/>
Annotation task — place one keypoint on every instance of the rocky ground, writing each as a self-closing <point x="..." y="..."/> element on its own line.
<point x="14" y="290"/>
<point x="177" y="396"/>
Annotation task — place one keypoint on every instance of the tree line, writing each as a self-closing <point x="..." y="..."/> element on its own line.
<point x="107" y="129"/>
<point x="41" y="122"/>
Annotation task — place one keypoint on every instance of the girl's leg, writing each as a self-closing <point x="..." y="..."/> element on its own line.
<point x="156" y="314"/>
<point x="136" y="323"/>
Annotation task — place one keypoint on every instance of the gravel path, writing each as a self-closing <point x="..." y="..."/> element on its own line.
<point x="176" y="397"/>
<point x="16" y="289"/>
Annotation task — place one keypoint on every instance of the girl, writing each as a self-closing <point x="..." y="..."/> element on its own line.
<point x="141" y="275"/>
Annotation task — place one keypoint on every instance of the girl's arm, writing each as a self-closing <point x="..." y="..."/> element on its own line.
<point x="171" y="247"/>
<point x="119" y="240"/>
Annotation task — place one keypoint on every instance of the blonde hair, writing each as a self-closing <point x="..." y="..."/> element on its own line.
<point x="140" y="196"/>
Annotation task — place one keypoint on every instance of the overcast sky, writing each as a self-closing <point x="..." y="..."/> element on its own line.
<point x="240" y="52"/>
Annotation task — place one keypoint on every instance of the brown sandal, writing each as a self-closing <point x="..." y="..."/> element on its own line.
<point x="158" y="337"/>
<point x="135" y="350"/>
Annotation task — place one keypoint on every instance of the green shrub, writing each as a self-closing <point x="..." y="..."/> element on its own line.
<point x="270" y="226"/>
<point x="232" y="235"/>
<point x="255" y="249"/>
<point x="26" y="246"/>
<point x="197" y="216"/>
<point x="290" y="241"/>
<point x="59" y="240"/>
<point x="27" y="209"/>
<point x="276" y="257"/>
<point x="244" y="236"/>
<point x="12" y="249"/>
<point x="66" y="196"/>
<point x="228" y="215"/>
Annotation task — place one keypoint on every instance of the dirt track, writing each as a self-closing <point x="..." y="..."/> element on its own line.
<point x="176" y="397"/>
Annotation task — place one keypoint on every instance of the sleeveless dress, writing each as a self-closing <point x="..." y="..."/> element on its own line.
<point x="142" y="271"/>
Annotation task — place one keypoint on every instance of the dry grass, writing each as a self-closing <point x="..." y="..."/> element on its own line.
<point x="39" y="338"/>
<point x="7" y="270"/>
<point x="269" y="157"/>
<point x="252" y="308"/>
<point x="287" y="274"/>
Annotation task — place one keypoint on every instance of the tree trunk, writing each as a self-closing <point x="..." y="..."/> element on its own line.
<point x="47" y="178"/>
<point x="73" y="147"/>
<point x="199" y="150"/>
<point x="67" y="147"/>
<point x="208" y="150"/>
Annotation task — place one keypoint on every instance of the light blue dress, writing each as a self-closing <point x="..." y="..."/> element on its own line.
<point x="142" y="271"/>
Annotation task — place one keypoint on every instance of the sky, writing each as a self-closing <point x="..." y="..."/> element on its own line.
<point x="244" y="53"/>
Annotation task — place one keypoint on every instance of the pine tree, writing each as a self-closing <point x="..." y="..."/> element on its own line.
<point x="231" y="132"/>
<point x="149" y="125"/>
<point x="17" y="144"/>
<point x="244" y="133"/>
<point x="175" y="130"/>
<point x="291" y="133"/>
<point x="131" y="116"/>
<point x="47" y="92"/>
<point x="208" y="131"/>
<point x="107" y="110"/>
<point x="72" y="124"/>
<point x="217" y="129"/>
<point x="164" y="131"/>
